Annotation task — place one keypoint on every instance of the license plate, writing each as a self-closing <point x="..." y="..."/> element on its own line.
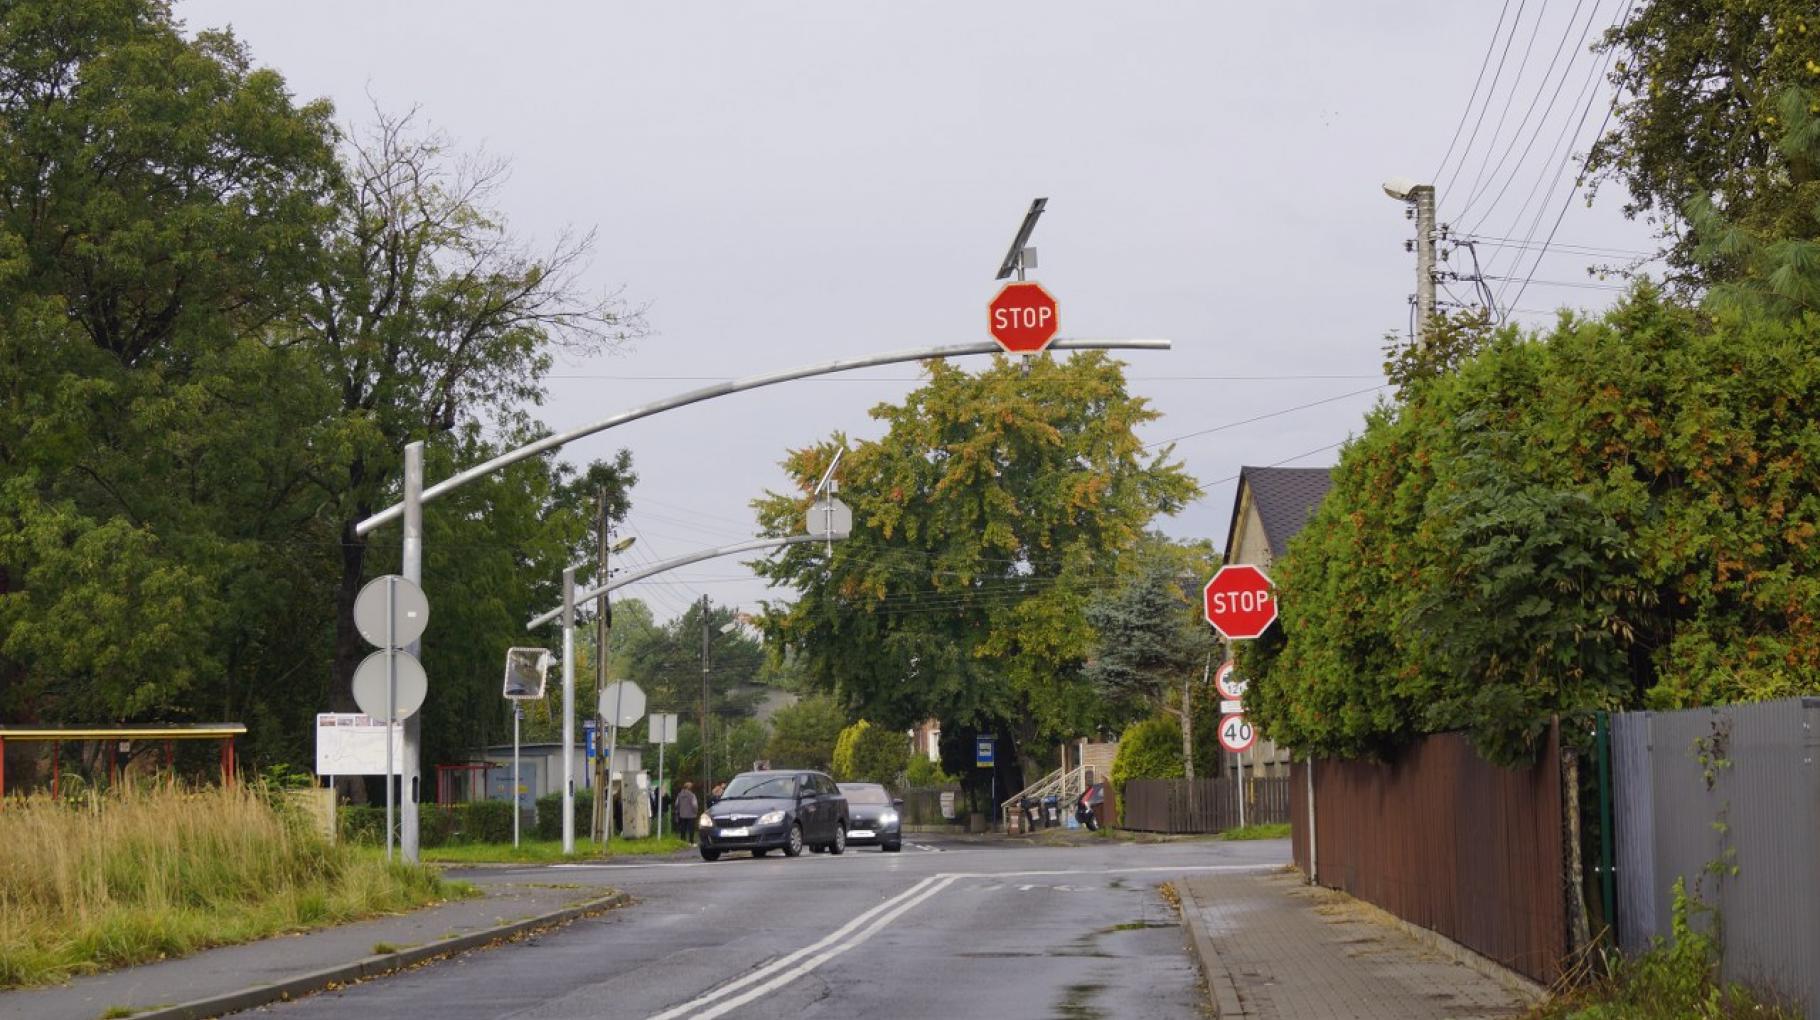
<point x="735" y="833"/>
<point x="860" y="834"/>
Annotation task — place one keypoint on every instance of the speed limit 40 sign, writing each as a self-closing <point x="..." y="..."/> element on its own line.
<point x="1236" y="733"/>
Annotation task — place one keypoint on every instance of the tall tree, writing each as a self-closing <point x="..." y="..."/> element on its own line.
<point x="160" y="199"/>
<point x="985" y="519"/>
<point x="431" y="316"/>
<point x="1715" y="102"/>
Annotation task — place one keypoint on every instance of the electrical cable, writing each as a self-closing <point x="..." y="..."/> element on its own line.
<point x="1484" y="62"/>
<point x="1566" y="72"/>
<point x="1509" y="98"/>
<point x="1471" y="139"/>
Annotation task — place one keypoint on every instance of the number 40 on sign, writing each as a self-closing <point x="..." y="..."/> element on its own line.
<point x="1237" y="734"/>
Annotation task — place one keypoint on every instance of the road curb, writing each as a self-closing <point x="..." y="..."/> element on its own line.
<point x="1220" y="986"/>
<point x="373" y="966"/>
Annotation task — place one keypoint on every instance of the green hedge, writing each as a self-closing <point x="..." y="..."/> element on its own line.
<point x="549" y="814"/>
<point x="486" y="821"/>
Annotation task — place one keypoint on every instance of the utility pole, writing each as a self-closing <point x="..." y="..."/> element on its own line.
<point x="1424" y="198"/>
<point x="705" y="772"/>
<point x="1421" y="199"/>
<point x="601" y="830"/>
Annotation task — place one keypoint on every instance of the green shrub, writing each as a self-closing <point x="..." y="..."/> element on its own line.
<point x="485" y="821"/>
<point x="870" y="754"/>
<point x="922" y="772"/>
<point x="549" y="814"/>
<point x="1149" y="749"/>
<point x="361" y="823"/>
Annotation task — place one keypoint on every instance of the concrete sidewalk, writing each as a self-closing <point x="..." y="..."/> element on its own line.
<point x="217" y="981"/>
<point x="1273" y="947"/>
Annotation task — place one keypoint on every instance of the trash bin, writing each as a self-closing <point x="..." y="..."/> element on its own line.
<point x="1052" y="812"/>
<point x="1033" y="813"/>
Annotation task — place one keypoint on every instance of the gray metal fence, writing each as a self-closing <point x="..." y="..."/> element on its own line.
<point x="1729" y="800"/>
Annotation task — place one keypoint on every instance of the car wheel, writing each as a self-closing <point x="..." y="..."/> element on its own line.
<point x="709" y="855"/>
<point x="892" y="848"/>
<point x="795" y="847"/>
<point x="839" y="846"/>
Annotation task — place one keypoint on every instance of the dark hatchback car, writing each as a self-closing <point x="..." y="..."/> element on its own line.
<point x="776" y="810"/>
<point x="872" y="817"/>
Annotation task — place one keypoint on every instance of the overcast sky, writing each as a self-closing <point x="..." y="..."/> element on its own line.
<point x="791" y="183"/>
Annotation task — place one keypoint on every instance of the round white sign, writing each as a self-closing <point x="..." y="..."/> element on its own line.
<point x="1237" y="734"/>
<point x="370" y="679"/>
<point x="1229" y="683"/>
<point x="395" y="602"/>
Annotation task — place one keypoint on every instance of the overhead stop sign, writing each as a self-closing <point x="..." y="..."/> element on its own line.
<point x="1239" y="602"/>
<point x="1023" y="318"/>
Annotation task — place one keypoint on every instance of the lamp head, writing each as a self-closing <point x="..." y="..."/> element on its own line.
<point x="1402" y="189"/>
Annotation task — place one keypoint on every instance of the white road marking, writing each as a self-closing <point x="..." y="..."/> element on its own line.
<point x="788" y="976"/>
<point x="779" y="972"/>
<point x="760" y="973"/>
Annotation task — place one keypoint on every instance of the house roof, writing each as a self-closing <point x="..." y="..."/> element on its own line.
<point x="1284" y="497"/>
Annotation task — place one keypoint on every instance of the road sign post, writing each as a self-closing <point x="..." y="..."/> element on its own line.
<point x="389" y="684"/>
<point x="628" y="701"/>
<point x="526" y="672"/>
<point x="1239" y="602"/>
<point x="1023" y="318"/>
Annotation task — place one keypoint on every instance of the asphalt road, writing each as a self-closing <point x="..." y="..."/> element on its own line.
<point x="944" y="929"/>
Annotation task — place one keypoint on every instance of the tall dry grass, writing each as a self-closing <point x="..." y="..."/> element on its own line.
<point x="146" y="874"/>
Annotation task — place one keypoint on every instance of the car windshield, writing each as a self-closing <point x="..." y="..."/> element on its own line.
<point x="864" y="793"/>
<point x="760" y="786"/>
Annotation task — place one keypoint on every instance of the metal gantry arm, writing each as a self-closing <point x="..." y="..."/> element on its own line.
<point x="672" y="564"/>
<point x="410" y="509"/>
<point x="752" y="382"/>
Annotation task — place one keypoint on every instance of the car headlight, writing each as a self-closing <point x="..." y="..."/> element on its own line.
<point x="771" y="818"/>
<point x="887" y="818"/>
<point x="705" y="821"/>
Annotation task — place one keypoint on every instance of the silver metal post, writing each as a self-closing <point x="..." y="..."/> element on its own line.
<point x="568" y="710"/>
<point x="412" y="568"/>
<point x="660" y="787"/>
<point x="518" y="714"/>
<point x="391" y="703"/>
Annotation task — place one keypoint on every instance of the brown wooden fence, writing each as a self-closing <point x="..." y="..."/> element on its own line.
<point x="1201" y="805"/>
<point x="1442" y="839"/>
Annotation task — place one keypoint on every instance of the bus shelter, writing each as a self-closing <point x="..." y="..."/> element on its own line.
<point x="169" y="734"/>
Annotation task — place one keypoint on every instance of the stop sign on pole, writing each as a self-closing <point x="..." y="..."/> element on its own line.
<point x="1023" y="318"/>
<point x="1240" y="604"/>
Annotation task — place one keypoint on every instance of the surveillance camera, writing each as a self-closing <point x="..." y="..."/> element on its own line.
<point x="1401" y="188"/>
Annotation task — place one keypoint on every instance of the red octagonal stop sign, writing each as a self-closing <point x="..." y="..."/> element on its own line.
<point x="1023" y="318"/>
<point x="1240" y="604"/>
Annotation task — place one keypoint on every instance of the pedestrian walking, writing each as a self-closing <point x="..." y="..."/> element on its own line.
<point x="687" y="808"/>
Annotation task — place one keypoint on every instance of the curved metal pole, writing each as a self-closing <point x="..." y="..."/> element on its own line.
<point x="752" y="382"/>
<point x="672" y="564"/>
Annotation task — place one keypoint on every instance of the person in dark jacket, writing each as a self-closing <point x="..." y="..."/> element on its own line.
<point x="688" y="810"/>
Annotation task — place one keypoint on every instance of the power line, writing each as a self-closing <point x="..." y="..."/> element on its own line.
<point x="1262" y="417"/>
<point x="1606" y="120"/>
<point x="1509" y="98"/>
<point x="1566" y="72"/>
<point x="1484" y="62"/>
<point x="1471" y="139"/>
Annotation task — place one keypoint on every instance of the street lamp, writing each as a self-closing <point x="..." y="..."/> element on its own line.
<point x="1422" y="197"/>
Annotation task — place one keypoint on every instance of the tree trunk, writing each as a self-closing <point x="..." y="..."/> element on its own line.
<point x="1188" y="730"/>
<point x="1579" y="930"/>
<point x="350" y="648"/>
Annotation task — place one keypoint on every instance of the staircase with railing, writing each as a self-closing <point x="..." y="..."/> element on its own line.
<point x="1064" y="784"/>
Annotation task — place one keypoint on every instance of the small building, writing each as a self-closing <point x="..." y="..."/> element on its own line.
<point x="540" y="769"/>
<point x="1270" y="506"/>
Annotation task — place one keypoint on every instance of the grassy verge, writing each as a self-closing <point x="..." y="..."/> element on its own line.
<point x="1677" y="979"/>
<point x="145" y="875"/>
<point x="1274" y="830"/>
<point x="537" y="851"/>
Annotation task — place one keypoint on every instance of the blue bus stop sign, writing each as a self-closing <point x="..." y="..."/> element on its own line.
<point x="985" y="750"/>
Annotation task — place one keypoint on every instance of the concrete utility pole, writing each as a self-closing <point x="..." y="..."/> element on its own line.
<point x="1422" y="198"/>
<point x="705" y="772"/>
